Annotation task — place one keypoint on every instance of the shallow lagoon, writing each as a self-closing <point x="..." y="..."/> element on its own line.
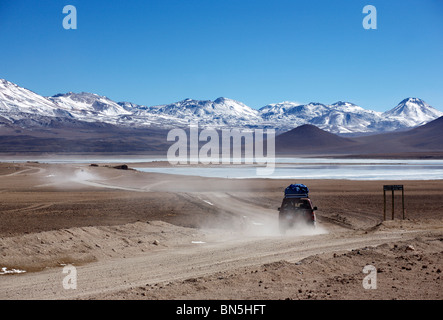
<point x="314" y="168"/>
<point x="287" y="168"/>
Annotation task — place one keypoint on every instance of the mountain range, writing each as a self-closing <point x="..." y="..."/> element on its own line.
<point x="90" y="123"/>
<point x="23" y="109"/>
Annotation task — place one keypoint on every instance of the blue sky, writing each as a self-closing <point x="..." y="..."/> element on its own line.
<point x="254" y="51"/>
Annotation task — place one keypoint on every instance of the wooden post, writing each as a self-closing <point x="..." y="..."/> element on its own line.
<point x="392" y="188"/>
<point x="403" y="202"/>
<point x="392" y="204"/>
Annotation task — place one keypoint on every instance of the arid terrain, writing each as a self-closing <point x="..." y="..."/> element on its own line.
<point x="136" y="235"/>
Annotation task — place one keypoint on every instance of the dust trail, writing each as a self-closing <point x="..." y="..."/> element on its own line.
<point x="252" y="220"/>
<point x="245" y="218"/>
<point x="86" y="178"/>
<point x="65" y="180"/>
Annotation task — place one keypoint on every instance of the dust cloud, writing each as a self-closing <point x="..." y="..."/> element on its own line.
<point x="267" y="226"/>
<point x="67" y="179"/>
<point x="245" y="219"/>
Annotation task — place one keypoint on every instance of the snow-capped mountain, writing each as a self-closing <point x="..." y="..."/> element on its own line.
<point x="24" y="108"/>
<point x="345" y="117"/>
<point x="17" y="102"/>
<point x="340" y="117"/>
<point x="412" y="112"/>
<point x="220" y="112"/>
<point x="85" y="106"/>
<point x="292" y="111"/>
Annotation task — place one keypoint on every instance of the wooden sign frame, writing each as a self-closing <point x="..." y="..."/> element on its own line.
<point x="393" y="188"/>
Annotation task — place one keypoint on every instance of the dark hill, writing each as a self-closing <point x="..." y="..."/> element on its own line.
<point x="426" y="138"/>
<point x="308" y="138"/>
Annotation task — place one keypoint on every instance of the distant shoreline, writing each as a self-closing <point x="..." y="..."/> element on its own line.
<point x="43" y="155"/>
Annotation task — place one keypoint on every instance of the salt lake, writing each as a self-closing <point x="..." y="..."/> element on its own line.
<point x="320" y="168"/>
<point x="288" y="168"/>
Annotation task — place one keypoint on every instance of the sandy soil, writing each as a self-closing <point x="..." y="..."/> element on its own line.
<point x="134" y="235"/>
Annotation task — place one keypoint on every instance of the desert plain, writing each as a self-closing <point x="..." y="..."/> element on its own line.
<point x="139" y="235"/>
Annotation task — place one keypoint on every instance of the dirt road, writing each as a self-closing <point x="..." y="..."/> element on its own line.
<point x="186" y="261"/>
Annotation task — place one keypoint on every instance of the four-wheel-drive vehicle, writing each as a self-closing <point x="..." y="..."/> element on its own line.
<point x="296" y="208"/>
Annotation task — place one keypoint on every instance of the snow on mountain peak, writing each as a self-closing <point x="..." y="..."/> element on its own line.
<point x="414" y="100"/>
<point x="17" y="104"/>
<point x="413" y="112"/>
<point x="15" y="101"/>
<point x="221" y="111"/>
<point x="87" y="104"/>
